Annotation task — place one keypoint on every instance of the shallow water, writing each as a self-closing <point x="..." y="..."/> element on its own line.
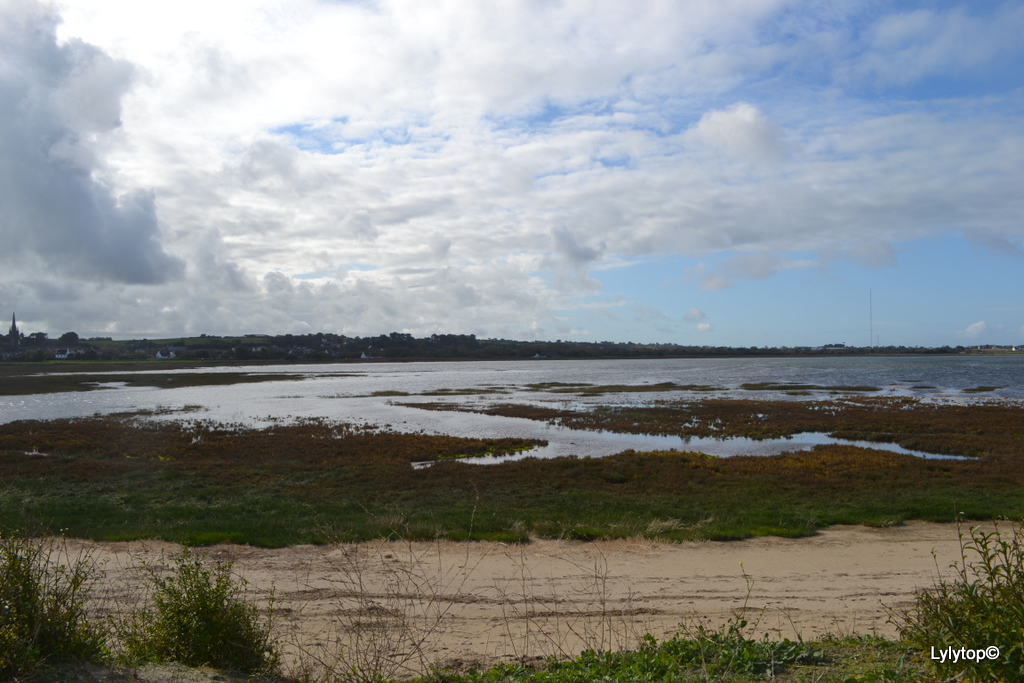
<point x="720" y="448"/>
<point x="343" y="392"/>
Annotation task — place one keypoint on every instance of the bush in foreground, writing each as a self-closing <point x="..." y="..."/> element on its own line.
<point x="199" y="618"/>
<point x="42" y="606"/>
<point x="982" y="606"/>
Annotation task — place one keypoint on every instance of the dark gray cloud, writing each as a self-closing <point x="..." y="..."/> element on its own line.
<point x="994" y="242"/>
<point x="571" y="259"/>
<point x="56" y="101"/>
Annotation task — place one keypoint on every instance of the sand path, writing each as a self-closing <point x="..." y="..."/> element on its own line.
<point x="474" y="603"/>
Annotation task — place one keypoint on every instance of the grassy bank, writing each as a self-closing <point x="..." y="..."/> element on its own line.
<point x="196" y="482"/>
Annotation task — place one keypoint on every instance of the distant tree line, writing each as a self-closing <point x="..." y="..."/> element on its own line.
<point x="403" y="346"/>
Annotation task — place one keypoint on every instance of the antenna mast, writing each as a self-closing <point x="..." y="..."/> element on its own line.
<point x="871" y="318"/>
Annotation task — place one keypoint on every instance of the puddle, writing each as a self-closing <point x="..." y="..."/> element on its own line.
<point x="722" y="448"/>
<point x="803" y="441"/>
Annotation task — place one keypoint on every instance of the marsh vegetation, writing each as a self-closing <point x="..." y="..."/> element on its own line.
<point x="194" y="481"/>
<point x="963" y="429"/>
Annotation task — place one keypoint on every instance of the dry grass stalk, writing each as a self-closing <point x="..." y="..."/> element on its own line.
<point x="392" y="605"/>
<point x="539" y="620"/>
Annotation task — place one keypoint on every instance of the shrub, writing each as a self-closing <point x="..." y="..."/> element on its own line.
<point x="983" y="606"/>
<point x="199" y="618"/>
<point x="42" y="613"/>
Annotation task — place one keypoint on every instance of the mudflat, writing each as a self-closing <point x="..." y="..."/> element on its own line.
<point x="474" y="603"/>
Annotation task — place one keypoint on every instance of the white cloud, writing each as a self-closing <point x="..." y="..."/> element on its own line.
<point x="467" y="167"/>
<point x="695" y="315"/>
<point x="741" y="130"/>
<point x="974" y="330"/>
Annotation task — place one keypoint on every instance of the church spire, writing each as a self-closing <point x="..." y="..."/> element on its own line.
<point x="14" y="336"/>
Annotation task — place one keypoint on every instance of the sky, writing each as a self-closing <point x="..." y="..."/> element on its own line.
<point x="709" y="172"/>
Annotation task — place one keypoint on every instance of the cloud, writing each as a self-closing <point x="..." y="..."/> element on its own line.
<point x="874" y="254"/>
<point x="422" y="164"/>
<point x="57" y="102"/>
<point x="695" y="315"/>
<point x="714" y="282"/>
<point x="993" y="242"/>
<point x="974" y="330"/>
<point x="571" y="256"/>
<point x="909" y="46"/>
<point x="741" y="130"/>
<point x="757" y="266"/>
<point x="708" y="281"/>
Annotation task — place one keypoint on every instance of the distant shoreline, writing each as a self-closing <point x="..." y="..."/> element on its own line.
<point x="116" y="365"/>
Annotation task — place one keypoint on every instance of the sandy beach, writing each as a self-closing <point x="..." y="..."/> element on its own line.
<point x="471" y="604"/>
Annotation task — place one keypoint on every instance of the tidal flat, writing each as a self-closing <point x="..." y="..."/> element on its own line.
<point x="30" y="383"/>
<point x="122" y="477"/>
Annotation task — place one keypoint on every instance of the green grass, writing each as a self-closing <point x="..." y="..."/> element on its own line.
<point x="725" y="654"/>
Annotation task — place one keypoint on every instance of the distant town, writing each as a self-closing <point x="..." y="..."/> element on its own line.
<point x="325" y="346"/>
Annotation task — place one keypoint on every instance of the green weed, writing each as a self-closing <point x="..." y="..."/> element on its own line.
<point x="199" y="618"/>
<point x="42" y="606"/>
<point x="982" y="606"/>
